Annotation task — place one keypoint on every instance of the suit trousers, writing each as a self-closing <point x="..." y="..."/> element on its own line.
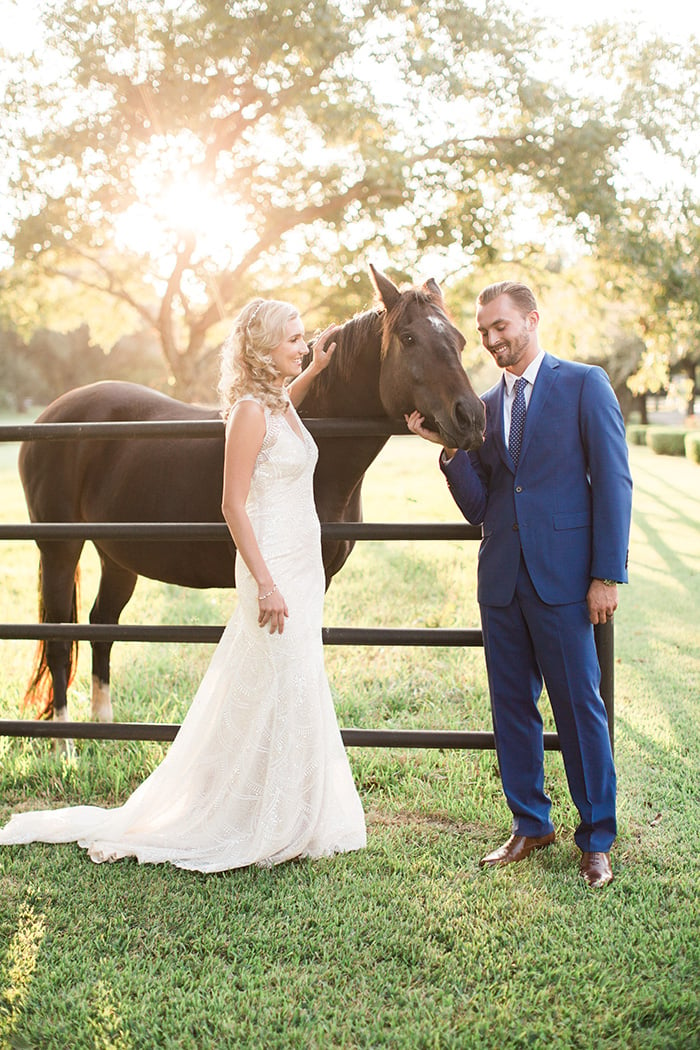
<point x="526" y="643"/>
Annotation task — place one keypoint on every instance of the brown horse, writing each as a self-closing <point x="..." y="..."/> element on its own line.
<point x="400" y="356"/>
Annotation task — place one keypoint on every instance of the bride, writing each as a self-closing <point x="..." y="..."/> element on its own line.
<point x="257" y="773"/>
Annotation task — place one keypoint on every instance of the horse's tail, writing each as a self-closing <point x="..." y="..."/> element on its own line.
<point x="39" y="695"/>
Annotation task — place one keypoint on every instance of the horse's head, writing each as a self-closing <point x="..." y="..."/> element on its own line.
<point x="421" y="365"/>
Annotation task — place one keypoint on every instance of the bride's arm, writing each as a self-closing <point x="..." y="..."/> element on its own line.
<point x="299" y="388"/>
<point x="245" y="430"/>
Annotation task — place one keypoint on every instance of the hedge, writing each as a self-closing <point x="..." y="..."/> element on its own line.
<point x="667" y="441"/>
<point x="637" y="433"/>
<point x="692" y="446"/>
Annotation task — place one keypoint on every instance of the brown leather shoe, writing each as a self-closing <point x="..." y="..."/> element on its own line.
<point x="596" y="869"/>
<point x="518" y="847"/>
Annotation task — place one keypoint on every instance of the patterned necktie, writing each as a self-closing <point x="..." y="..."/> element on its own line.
<point x="517" y="420"/>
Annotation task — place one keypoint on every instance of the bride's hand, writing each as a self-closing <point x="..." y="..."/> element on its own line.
<point x="273" y="610"/>
<point x="322" y="353"/>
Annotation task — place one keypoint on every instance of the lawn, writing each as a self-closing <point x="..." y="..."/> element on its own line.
<point x="407" y="944"/>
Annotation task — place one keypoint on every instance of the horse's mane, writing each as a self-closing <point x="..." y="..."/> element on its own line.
<point x="351" y="340"/>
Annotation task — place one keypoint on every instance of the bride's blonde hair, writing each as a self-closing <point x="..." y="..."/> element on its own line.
<point x="246" y="365"/>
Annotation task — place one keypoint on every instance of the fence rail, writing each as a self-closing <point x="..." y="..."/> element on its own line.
<point x="443" y="739"/>
<point x="191" y="428"/>
<point x="204" y="530"/>
<point x="216" y="531"/>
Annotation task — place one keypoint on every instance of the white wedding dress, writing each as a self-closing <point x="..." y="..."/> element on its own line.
<point x="257" y="773"/>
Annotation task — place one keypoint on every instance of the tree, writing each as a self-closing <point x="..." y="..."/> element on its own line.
<point x="51" y="363"/>
<point x="654" y="263"/>
<point x="180" y="158"/>
<point x="17" y="377"/>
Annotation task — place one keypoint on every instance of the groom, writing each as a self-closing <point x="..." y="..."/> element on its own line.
<point x="552" y="490"/>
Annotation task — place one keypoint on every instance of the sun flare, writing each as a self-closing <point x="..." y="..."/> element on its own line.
<point x="173" y="201"/>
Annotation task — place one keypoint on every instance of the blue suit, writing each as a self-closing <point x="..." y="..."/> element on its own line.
<point x="550" y="526"/>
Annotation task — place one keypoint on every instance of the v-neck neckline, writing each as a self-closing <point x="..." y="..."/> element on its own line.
<point x="298" y="434"/>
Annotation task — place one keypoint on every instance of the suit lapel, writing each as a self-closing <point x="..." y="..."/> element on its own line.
<point x="496" y="399"/>
<point x="540" y="394"/>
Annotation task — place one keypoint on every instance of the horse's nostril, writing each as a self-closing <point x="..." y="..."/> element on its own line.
<point x="468" y="414"/>
<point x="463" y="414"/>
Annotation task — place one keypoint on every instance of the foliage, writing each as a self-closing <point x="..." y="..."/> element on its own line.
<point x="692" y="447"/>
<point x="637" y="433"/>
<point x="654" y="260"/>
<point x="17" y="379"/>
<point x="178" y="158"/>
<point x="31" y="299"/>
<point x="53" y="362"/>
<point x="407" y="945"/>
<point x="667" y="441"/>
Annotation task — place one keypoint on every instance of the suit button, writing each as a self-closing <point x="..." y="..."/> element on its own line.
<point x="518" y="488"/>
<point x="515" y="527"/>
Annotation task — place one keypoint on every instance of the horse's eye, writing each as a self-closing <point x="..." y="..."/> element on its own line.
<point x="407" y="339"/>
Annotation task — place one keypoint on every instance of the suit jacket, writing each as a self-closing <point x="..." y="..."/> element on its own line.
<point x="567" y="506"/>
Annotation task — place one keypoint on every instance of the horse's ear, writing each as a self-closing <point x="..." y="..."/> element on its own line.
<point x="388" y="292"/>
<point x="433" y="289"/>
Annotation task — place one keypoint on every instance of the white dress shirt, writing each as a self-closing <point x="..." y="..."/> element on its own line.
<point x="530" y="374"/>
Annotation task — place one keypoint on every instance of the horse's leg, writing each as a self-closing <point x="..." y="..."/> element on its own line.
<point x="57" y="604"/>
<point x="56" y="658"/>
<point x="336" y="552"/>
<point x="116" y="587"/>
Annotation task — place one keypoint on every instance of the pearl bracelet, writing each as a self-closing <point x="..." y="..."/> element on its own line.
<point x="262" y="597"/>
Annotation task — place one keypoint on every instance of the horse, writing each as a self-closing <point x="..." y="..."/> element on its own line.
<point x="404" y="353"/>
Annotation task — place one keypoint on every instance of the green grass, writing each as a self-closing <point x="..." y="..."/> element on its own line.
<point x="407" y="944"/>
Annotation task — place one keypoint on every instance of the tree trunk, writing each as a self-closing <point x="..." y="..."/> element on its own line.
<point x="691" y="372"/>
<point x="640" y="404"/>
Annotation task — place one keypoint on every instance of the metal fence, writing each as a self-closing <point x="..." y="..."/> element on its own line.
<point x="406" y="738"/>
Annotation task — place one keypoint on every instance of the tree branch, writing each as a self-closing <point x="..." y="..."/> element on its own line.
<point x="118" y="292"/>
<point x="165" y="315"/>
<point x="284" y="220"/>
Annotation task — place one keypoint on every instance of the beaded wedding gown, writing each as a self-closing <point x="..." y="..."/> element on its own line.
<point x="257" y="773"/>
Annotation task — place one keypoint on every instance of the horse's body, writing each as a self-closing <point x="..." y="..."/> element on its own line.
<point x="387" y="362"/>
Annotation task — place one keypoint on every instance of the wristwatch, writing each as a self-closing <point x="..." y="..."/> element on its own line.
<point x="609" y="583"/>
